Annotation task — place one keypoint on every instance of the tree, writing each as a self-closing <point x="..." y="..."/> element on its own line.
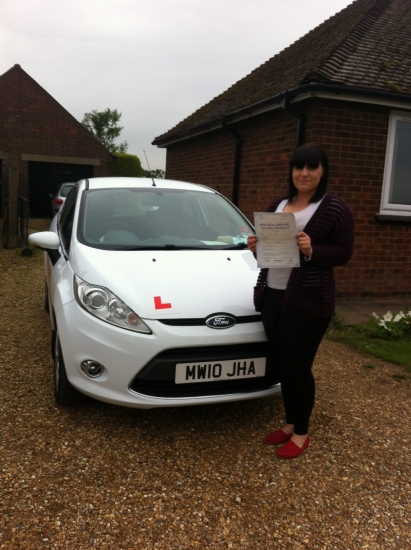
<point x="103" y="126"/>
<point x="157" y="173"/>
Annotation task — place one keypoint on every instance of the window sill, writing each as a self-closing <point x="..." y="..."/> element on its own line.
<point x="389" y="219"/>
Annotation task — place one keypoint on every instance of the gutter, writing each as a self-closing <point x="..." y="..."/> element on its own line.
<point x="301" y="121"/>
<point x="277" y="100"/>
<point x="237" y="159"/>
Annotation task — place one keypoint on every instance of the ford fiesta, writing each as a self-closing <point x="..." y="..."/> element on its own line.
<point x="149" y="289"/>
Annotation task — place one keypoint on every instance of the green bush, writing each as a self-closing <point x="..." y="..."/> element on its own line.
<point x="390" y="326"/>
<point x="125" y="165"/>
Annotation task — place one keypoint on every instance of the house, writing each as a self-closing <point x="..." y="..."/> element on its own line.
<point x="43" y="142"/>
<point x="346" y="85"/>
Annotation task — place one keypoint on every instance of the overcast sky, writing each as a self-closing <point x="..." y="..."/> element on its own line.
<point x="156" y="61"/>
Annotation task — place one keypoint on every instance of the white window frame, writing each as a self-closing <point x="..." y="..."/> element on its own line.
<point x="388" y="208"/>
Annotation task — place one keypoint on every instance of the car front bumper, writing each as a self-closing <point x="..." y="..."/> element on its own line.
<point x="128" y="356"/>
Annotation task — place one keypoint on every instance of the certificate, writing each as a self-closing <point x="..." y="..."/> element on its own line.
<point x="276" y="242"/>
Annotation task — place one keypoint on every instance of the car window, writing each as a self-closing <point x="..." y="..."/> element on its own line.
<point x="65" y="190"/>
<point x="145" y="218"/>
<point x="67" y="217"/>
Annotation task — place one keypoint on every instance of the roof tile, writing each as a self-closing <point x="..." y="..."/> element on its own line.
<point x="367" y="45"/>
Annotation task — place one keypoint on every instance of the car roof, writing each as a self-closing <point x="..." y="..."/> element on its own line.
<point x="107" y="183"/>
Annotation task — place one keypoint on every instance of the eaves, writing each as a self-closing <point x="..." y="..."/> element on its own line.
<point x="323" y="90"/>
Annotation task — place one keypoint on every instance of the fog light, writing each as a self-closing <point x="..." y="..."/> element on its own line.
<point x="92" y="368"/>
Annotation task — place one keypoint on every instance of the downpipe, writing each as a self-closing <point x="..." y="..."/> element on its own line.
<point x="237" y="160"/>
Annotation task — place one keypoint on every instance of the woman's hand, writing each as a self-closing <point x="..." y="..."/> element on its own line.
<point x="252" y="243"/>
<point x="304" y="244"/>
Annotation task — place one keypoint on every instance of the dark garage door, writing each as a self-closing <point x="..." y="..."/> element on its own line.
<point x="44" y="180"/>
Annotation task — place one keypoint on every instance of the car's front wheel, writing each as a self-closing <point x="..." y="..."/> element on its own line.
<point x="46" y="297"/>
<point x="64" y="392"/>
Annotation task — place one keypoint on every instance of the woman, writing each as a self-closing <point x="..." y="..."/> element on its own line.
<point x="298" y="303"/>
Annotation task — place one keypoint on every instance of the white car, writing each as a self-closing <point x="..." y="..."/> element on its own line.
<point x="149" y="287"/>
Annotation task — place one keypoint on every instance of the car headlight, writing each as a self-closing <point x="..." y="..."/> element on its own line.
<point x="103" y="304"/>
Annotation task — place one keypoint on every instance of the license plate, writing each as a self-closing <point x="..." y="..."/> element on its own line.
<point x="237" y="369"/>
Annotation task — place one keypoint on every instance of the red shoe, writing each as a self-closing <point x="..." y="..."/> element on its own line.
<point x="291" y="450"/>
<point x="277" y="438"/>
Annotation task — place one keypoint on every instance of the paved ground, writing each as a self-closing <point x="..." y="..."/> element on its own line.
<point x="359" y="311"/>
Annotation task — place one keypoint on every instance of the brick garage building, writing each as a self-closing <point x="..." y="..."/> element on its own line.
<point x="345" y="85"/>
<point x="48" y="144"/>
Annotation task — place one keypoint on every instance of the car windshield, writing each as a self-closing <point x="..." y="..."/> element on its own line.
<point x="134" y="219"/>
<point x="65" y="190"/>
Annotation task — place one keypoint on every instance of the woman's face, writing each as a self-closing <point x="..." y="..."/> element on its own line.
<point x="306" y="179"/>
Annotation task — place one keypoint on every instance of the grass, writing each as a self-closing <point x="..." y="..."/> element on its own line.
<point x="39" y="224"/>
<point x="375" y="340"/>
<point x="35" y="225"/>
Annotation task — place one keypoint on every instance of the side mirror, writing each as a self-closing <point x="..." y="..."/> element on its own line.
<point x="48" y="241"/>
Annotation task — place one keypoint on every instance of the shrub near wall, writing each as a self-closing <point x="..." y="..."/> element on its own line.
<point x="125" y="165"/>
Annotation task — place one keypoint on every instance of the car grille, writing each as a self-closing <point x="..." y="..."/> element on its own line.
<point x="156" y="379"/>
<point x="199" y="321"/>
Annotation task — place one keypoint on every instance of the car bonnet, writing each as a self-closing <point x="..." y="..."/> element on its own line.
<point x="172" y="283"/>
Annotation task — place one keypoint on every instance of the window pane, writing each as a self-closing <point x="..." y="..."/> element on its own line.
<point x="147" y="218"/>
<point x="65" y="190"/>
<point x="400" y="190"/>
<point x="67" y="217"/>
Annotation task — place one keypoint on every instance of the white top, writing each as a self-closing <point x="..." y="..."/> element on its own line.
<point x="278" y="277"/>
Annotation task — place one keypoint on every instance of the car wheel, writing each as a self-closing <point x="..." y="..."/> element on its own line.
<point x="64" y="392"/>
<point x="46" y="297"/>
<point x="53" y="343"/>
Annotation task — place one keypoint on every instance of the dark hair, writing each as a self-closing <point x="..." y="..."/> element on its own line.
<point x="310" y="155"/>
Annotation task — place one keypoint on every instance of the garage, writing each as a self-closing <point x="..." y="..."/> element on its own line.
<point x="44" y="180"/>
<point x="41" y="146"/>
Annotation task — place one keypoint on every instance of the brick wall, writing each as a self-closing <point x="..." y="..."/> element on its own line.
<point x="355" y="138"/>
<point x="209" y="159"/>
<point x="32" y="122"/>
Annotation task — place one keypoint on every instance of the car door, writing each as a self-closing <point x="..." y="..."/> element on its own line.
<point x="58" y="270"/>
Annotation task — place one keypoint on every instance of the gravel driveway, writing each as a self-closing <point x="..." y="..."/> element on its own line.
<point x="100" y="476"/>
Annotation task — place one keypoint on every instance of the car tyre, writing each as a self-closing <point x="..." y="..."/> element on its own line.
<point x="46" y="297"/>
<point x="53" y="343"/>
<point x="64" y="392"/>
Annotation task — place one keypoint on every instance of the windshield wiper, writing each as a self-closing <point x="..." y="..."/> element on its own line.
<point x="239" y="246"/>
<point x="171" y="246"/>
<point x="161" y="247"/>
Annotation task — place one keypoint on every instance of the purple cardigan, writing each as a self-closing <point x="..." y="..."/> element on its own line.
<point x="311" y="287"/>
